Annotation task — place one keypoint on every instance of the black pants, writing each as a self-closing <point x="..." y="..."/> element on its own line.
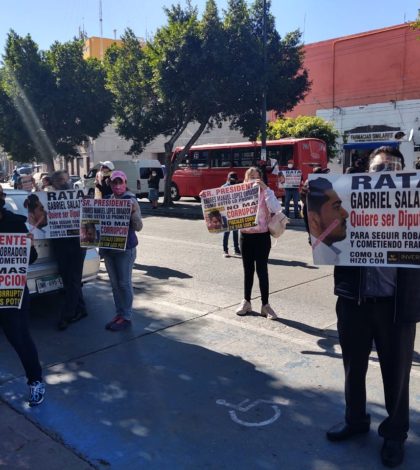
<point x="226" y="240"/>
<point x="255" y="249"/>
<point x="14" y="322"/>
<point x="358" y="326"/>
<point x="70" y="258"/>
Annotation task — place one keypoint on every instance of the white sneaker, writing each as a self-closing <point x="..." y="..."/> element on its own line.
<point x="244" y="308"/>
<point x="267" y="311"/>
<point x="226" y="254"/>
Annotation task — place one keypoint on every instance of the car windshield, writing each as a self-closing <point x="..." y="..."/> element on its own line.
<point x="14" y="202"/>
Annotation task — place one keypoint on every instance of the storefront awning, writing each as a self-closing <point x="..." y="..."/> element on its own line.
<point x="370" y="145"/>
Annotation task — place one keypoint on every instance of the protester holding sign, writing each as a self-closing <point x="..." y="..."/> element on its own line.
<point x="381" y="305"/>
<point x="14" y="321"/>
<point x="70" y="258"/>
<point x="119" y="264"/>
<point x="255" y="244"/>
<point x="291" y="180"/>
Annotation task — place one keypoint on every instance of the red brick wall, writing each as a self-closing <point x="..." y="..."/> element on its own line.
<point x="373" y="67"/>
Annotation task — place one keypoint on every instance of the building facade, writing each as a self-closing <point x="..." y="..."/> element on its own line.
<point x="366" y="84"/>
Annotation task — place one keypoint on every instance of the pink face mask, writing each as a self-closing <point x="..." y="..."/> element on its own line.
<point x="119" y="188"/>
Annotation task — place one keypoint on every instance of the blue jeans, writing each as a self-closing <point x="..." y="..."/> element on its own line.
<point x="119" y="265"/>
<point x="292" y="193"/>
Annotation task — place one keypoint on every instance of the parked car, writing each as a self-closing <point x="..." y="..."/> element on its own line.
<point x="74" y="179"/>
<point x="137" y="172"/>
<point x="43" y="275"/>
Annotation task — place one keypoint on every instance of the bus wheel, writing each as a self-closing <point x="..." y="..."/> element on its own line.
<point x="197" y="198"/>
<point x="175" y="192"/>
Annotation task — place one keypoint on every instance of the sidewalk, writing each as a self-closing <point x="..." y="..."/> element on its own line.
<point x="172" y="393"/>
<point x="23" y="445"/>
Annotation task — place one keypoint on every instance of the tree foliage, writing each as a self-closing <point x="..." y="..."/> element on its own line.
<point x="50" y="102"/>
<point x="204" y="71"/>
<point x="305" y="126"/>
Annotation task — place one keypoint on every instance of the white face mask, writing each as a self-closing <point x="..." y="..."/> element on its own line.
<point x="289" y="165"/>
<point x="154" y="173"/>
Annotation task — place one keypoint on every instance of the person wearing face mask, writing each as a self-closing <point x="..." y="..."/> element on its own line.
<point x="14" y="321"/>
<point x="102" y="184"/>
<point x="255" y="246"/>
<point x="380" y="305"/>
<point x="119" y="264"/>
<point x="291" y="180"/>
<point x="232" y="178"/>
<point x="153" y="183"/>
<point x="70" y="258"/>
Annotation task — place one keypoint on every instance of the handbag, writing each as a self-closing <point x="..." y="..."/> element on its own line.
<point x="277" y="224"/>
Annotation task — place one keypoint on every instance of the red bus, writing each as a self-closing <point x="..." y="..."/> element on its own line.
<point x="207" y="166"/>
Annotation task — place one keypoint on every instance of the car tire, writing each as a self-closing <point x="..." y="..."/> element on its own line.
<point x="175" y="192"/>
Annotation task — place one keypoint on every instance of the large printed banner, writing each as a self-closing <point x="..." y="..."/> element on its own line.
<point x="230" y="207"/>
<point x="14" y="260"/>
<point x="104" y="223"/>
<point x="292" y="179"/>
<point x="54" y="214"/>
<point x="366" y="219"/>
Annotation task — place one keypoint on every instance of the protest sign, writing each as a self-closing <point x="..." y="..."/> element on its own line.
<point x="366" y="219"/>
<point x="14" y="260"/>
<point x="54" y="214"/>
<point x="104" y="223"/>
<point x="292" y="179"/>
<point x="230" y="207"/>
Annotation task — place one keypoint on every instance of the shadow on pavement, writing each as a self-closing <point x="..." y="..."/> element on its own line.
<point x="300" y="264"/>
<point x="160" y="272"/>
<point x="177" y="399"/>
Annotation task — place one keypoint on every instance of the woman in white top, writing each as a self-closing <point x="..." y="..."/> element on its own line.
<point x="255" y="243"/>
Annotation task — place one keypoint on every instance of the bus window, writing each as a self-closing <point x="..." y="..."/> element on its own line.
<point x="195" y="159"/>
<point x="244" y="157"/>
<point x="220" y="158"/>
<point x="281" y="153"/>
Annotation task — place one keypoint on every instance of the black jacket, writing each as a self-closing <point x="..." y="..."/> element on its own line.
<point x="348" y="283"/>
<point x="15" y="223"/>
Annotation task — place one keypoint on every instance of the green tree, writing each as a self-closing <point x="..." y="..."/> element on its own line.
<point x="305" y="126"/>
<point x="54" y="100"/>
<point x="201" y="71"/>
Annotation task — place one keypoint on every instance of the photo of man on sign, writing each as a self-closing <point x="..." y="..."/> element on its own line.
<point x="327" y="221"/>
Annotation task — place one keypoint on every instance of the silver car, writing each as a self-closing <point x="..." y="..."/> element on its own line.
<point x="43" y="275"/>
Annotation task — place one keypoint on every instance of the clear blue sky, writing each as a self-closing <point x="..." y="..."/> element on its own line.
<point x="50" y="20"/>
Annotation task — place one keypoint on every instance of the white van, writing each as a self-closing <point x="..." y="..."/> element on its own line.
<point x="137" y="172"/>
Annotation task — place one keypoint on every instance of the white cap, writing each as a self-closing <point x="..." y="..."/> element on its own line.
<point x="108" y="164"/>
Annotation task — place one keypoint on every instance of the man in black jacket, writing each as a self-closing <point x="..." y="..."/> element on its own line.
<point x="70" y="258"/>
<point x="381" y="305"/>
<point x="14" y="321"/>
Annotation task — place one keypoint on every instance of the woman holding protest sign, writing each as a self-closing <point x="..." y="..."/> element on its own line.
<point x="255" y="244"/>
<point x="14" y="321"/>
<point x="119" y="264"/>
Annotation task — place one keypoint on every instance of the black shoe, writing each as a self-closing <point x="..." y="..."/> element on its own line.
<point x="78" y="316"/>
<point x="392" y="453"/>
<point x="344" y="431"/>
<point x="62" y="325"/>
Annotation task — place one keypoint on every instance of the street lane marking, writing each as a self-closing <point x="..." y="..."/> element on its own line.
<point x="245" y="406"/>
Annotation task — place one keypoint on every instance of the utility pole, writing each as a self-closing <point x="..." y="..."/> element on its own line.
<point x="264" y="91"/>
<point x="101" y="42"/>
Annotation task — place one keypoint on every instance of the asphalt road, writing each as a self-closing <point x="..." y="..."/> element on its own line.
<point x="191" y="385"/>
